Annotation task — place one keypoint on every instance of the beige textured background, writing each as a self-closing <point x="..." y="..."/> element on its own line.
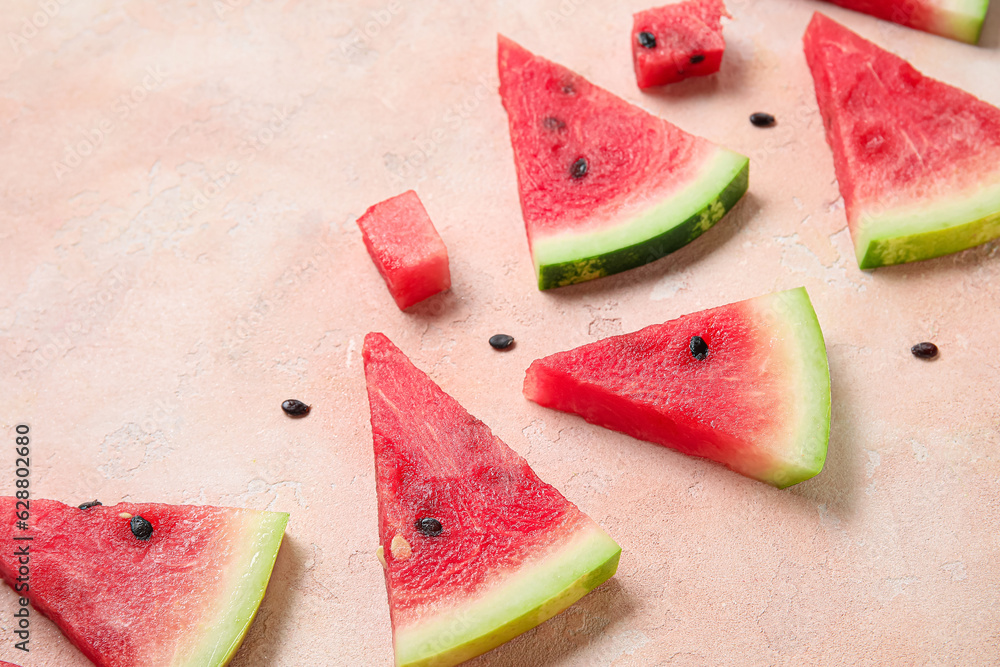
<point x="155" y="311"/>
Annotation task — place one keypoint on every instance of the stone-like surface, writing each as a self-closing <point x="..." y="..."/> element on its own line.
<point x="166" y="287"/>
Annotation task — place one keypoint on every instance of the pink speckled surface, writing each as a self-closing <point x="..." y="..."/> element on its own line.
<point x="163" y="293"/>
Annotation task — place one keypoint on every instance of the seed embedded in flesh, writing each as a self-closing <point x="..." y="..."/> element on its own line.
<point x="579" y="168"/>
<point x="142" y="529"/>
<point x="501" y="341"/>
<point x="553" y="123"/>
<point x="430" y="527"/>
<point x="698" y="347"/>
<point x="294" y="408"/>
<point x="694" y="60"/>
<point x="647" y="40"/>
<point x="88" y="505"/>
<point x="924" y="350"/>
<point x="761" y="119"/>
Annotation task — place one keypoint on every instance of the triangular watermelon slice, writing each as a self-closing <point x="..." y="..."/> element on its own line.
<point x="476" y="548"/>
<point x="957" y="19"/>
<point x="604" y="185"/>
<point x="746" y="385"/>
<point x="918" y="161"/>
<point x="183" y="596"/>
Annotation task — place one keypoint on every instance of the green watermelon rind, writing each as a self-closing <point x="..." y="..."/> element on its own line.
<point x="911" y="233"/>
<point x="537" y="592"/>
<point x="961" y="20"/>
<point x="670" y="224"/>
<point x="221" y="632"/>
<point x="793" y="312"/>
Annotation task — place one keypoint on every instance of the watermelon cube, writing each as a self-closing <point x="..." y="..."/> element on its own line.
<point x="677" y="41"/>
<point x="406" y="248"/>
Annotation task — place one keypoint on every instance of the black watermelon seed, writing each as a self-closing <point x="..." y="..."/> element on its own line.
<point x="553" y="123"/>
<point x="647" y="40"/>
<point x="761" y="119"/>
<point x="295" y="408"/>
<point x="89" y="504"/>
<point x="924" y="350"/>
<point x="698" y="347"/>
<point x="694" y="60"/>
<point x="142" y="529"/>
<point x="430" y="527"/>
<point x="501" y="341"/>
<point x="579" y="168"/>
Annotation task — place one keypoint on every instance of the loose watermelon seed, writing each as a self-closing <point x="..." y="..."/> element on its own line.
<point x="553" y="123"/>
<point x="501" y="341"/>
<point x="142" y="529"/>
<point x="430" y="527"/>
<point x="698" y="347"/>
<point x="294" y="408"/>
<point x="88" y="505"/>
<point x="696" y="59"/>
<point x="647" y="40"/>
<point x="579" y="168"/>
<point x="125" y="515"/>
<point x="761" y="119"/>
<point x="924" y="350"/>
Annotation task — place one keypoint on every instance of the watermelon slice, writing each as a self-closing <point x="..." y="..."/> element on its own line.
<point x="746" y="385"/>
<point x="476" y="548"/>
<point x="918" y="161"/>
<point x="674" y="42"/>
<point x="406" y="248"/>
<point x="7" y="664"/>
<point x="186" y="595"/>
<point x="604" y="185"/>
<point x="957" y="19"/>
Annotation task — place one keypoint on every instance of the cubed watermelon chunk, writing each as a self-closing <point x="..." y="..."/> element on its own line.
<point x="677" y="41"/>
<point x="406" y="249"/>
<point x="745" y="384"/>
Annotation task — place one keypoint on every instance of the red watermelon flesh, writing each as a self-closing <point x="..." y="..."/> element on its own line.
<point x="681" y="40"/>
<point x="758" y="401"/>
<point x="957" y="19"/>
<point x="604" y="185"/>
<point x="7" y="664"/>
<point x="511" y="551"/>
<point x="186" y="596"/>
<point x="406" y="248"/>
<point x="917" y="160"/>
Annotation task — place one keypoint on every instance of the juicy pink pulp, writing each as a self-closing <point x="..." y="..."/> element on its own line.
<point x="406" y="248"/>
<point x="898" y="137"/>
<point x="556" y="118"/>
<point x="649" y="385"/>
<point x="683" y="31"/>
<point x="918" y="14"/>
<point x="435" y="460"/>
<point x="120" y="600"/>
